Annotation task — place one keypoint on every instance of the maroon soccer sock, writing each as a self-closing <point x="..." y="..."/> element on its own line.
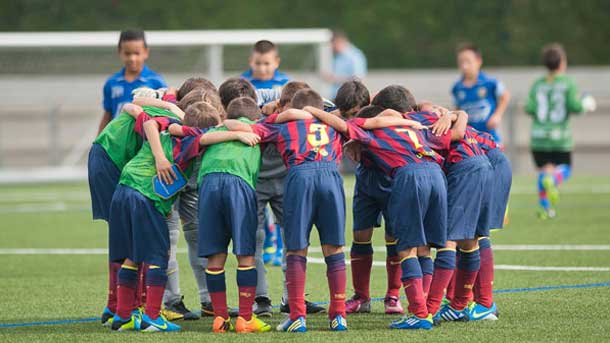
<point x="427" y="268"/>
<point x="127" y="280"/>
<point x="246" y="282"/>
<point x="215" y="279"/>
<point x="140" y="298"/>
<point x="296" y="268"/>
<point x="468" y="268"/>
<point x="337" y="280"/>
<point x="392" y="267"/>
<point x="483" y="289"/>
<point x="113" y="270"/>
<point x="156" y="278"/>
<point x="412" y="282"/>
<point x="361" y="256"/>
<point x="444" y="266"/>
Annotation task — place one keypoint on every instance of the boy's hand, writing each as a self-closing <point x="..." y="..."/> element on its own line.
<point x="270" y="107"/>
<point x="442" y="125"/>
<point x="248" y="138"/>
<point x="165" y="171"/>
<point x="494" y="121"/>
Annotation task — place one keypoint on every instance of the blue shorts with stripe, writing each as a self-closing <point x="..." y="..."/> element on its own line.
<point x="138" y="231"/>
<point x="103" y="179"/>
<point x="313" y="195"/>
<point x="227" y="212"/>
<point x="418" y="206"/>
<point x="371" y="194"/>
<point x="467" y="187"/>
<point x="496" y="198"/>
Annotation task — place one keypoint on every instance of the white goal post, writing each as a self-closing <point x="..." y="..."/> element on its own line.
<point x="213" y="42"/>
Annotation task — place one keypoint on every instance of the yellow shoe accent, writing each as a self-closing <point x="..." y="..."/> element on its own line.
<point x="171" y="315"/>
<point x="222" y="325"/>
<point x="253" y="325"/>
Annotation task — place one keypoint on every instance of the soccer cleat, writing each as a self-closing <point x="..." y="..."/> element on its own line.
<point x="262" y="307"/>
<point x="277" y="259"/>
<point x="338" y="324"/>
<point x="120" y="324"/>
<point x="290" y="325"/>
<point x="177" y="311"/>
<point x="392" y="305"/>
<point x="311" y="308"/>
<point x="412" y="322"/>
<point x="252" y="325"/>
<point x="480" y="312"/>
<point x="160" y="324"/>
<point x="221" y="325"/>
<point x="268" y="254"/>
<point x="548" y="183"/>
<point x="107" y="317"/>
<point x="357" y="304"/>
<point x="207" y="310"/>
<point x="547" y="214"/>
<point x="450" y="314"/>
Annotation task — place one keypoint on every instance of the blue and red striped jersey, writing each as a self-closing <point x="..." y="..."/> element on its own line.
<point x="487" y="141"/>
<point x="302" y="141"/>
<point x="186" y="148"/>
<point x="393" y="147"/>
<point x="464" y="148"/>
<point x="440" y="144"/>
<point x="163" y="122"/>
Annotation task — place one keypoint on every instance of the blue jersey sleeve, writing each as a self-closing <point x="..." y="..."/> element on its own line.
<point x="107" y="100"/>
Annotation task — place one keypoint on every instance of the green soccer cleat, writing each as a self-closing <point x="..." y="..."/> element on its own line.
<point x="547" y="214"/>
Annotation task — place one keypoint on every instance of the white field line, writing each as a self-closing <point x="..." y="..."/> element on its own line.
<point x="315" y="260"/>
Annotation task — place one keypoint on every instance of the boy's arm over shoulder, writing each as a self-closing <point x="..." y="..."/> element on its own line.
<point x="327" y="118"/>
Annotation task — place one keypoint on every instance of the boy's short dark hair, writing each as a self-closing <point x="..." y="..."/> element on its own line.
<point x="289" y="90"/>
<point x="467" y="46"/>
<point x="337" y="34"/>
<point x="235" y="87"/>
<point x="369" y="111"/>
<point x="131" y="35"/>
<point x="552" y="55"/>
<point x="243" y="107"/>
<point x="395" y="97"/>
<point x="264" y="46"/>
<point x="352" y="94"/>
<point x="192" y="83"/>
<point x="202" y="115"/>
<point x="307" y="97"/>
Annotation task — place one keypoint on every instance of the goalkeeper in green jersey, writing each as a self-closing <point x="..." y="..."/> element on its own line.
<point x="552" y="99"/>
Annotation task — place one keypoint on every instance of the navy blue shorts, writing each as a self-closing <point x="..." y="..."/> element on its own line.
<point x="418" y="206"/>
<point x="313" y="195"/>
<point x="103" y="179"/>
<point x="371" y="194"/>
<point x="138" y="231"/>
<point x="494" y="210"/>
<point x="467" y="187"/>
<point x="227" y="212"/>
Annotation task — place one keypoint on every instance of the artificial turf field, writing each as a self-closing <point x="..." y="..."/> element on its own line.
<point x="51" y="296"/>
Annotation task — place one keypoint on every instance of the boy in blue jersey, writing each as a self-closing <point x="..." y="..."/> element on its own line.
<point x="264" y="63"/>
<point x="133" y="52"/>
<point x="484" y="98"/>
